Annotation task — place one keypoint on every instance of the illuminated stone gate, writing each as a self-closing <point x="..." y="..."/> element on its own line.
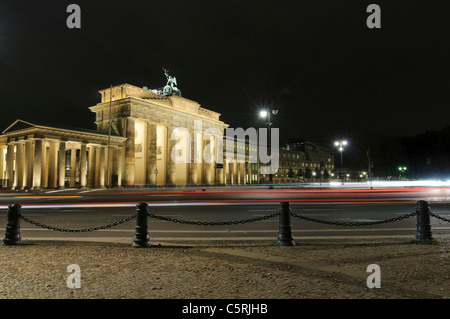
<point x="138" y="144"/>
<point x="148" y="120"/>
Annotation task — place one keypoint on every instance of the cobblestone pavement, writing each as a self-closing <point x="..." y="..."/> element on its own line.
<point x="180" y="269"/>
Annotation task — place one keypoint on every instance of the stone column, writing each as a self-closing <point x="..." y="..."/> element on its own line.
<point x="221" y="172"/>
<point x="91" y="167"/>
<point x="44" y="176"/>
<point x="2" y="160"/>
<point x="73" y="166"/>
<point x="19" y="165"/>
<point x="83" y="165"/>
<point x="119" y="160"/>
<point x="212" y="169"/>
<point x="102" y="173"/>
<point x="193" y="166"/>
<point x="10" y="165"/>
<point x="130" y="151"/>
<point x="37" y="170"/>
<point x="238" y="173"/>
<point x="52" y="165"/>
<point x="208" y="168"/>
<point x="28" y="169"/>
<point x="97" y="167"/>
<point x="151" y="153"/>
<point x="226" y="172"/>
<point x="171" y="165"/>
<point x="61" y="164"/>
<point x="122" y="164"/>
<point x="235" y="172"/>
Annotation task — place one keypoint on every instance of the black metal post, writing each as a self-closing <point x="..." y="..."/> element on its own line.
<point x="12" y="234"/>
<point x="141" y="237"/>
<point x="285" y="237"/>
<point x="423" y="221"/>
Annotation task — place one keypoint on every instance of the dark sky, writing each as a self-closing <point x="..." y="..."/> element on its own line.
<point x="332" y="76"/>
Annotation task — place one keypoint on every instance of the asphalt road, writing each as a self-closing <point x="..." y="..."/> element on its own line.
<point x="85" y="208"/>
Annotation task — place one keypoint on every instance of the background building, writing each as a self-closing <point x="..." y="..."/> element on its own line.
<point x="303" y="161"/>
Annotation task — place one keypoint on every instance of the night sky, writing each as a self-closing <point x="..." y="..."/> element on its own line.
<point x="331" y="76"/>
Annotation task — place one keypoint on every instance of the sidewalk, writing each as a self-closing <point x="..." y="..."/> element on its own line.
<point x="183" y="269"/>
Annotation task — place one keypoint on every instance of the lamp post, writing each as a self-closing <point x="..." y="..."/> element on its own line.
<point x="265" y="114"/>
<point x="402" y="170"/>
<point x="108" y="175"/>
<point x="340" y="145"/>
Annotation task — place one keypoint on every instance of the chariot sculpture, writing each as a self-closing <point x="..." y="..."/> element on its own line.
<point x="170" y="88"/>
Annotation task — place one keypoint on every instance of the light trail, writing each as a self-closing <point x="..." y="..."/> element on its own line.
<point x="212" y="203"/>
<point x="287" y="191"/>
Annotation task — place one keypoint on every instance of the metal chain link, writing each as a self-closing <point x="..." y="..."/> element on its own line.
<point x="440" y="217"/>
<point x="353" y="223"/>
<point x="222" y="223"/>
<point x="204" y="223"/>
<point x="33" y="222"/>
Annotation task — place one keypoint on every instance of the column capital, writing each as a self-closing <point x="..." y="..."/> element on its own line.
<point x="37" y="137"/>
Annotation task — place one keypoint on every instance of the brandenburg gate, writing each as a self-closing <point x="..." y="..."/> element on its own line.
<point x="132" y="146"/>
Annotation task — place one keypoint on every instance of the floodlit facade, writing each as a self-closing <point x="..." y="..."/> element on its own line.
<point x="143" y="138"/>
<point x="35" y="156"/>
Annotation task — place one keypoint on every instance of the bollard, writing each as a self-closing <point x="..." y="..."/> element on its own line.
<point x="285" y="237"/>
<point x="141" y="237"/>
<point x="12" y="234"/>
<point x="423" y="221"/>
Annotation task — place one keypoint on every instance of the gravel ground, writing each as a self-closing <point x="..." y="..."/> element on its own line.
<point x="321" y="269"/>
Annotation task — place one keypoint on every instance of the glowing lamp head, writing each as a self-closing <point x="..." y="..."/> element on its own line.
<point x="263" y="114"/>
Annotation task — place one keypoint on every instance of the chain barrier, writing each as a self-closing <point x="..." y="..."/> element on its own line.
<point x="204" y="223"/>
<point x="33" y="222"/>
<point x="353" y="223"/>
<point x="285" y="237"/>
<point x="223" y="223"/>
<point x="440" y="217"/>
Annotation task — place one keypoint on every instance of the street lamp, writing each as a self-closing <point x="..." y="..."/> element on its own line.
<point x="340" y="145"/>
<point x="265" y="114"/>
